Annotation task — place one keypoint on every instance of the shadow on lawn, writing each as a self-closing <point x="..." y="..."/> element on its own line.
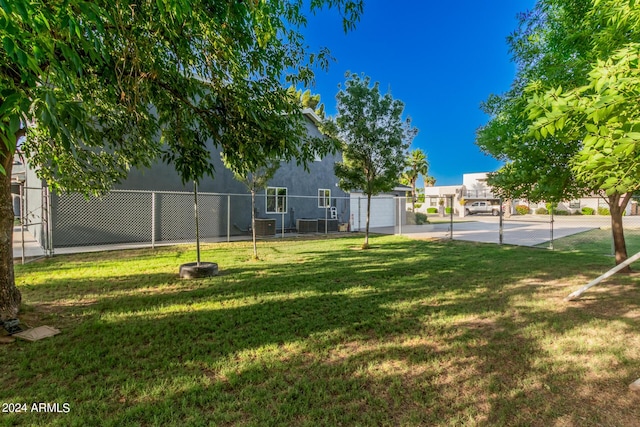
<point x="397" y="335"/>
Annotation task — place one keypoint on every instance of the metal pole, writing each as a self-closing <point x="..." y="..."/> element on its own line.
<point x="22" y="219"/>
<point x="283" y="223"/>
<point x="195" y="208"/>
<point x="228" y="218"/>
<point x="551" y="226"/>
<point x="451" y="216"/>
<point x="49" y="221"/>
<point x="153" y="220"/>
<point x="399" y="215"/>
<point x="326" y="221"/>
<point x="575" y="295"/>
<point x="501" y="223"/>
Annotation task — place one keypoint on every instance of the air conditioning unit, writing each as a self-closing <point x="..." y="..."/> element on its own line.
<point x="265" y="227"/>
<point x="307" y="225"/>
<point x="331" y="225"/>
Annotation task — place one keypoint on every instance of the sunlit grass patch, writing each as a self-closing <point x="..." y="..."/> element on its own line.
<point x="598" y="241"/>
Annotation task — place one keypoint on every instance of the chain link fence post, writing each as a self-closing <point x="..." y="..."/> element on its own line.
<point x="22" y="220"/>
<point x="551" y="226"/>
<point x="153" y="220"/>
<point x="399" y="202"/>
<point x="450" y="217"/>
<point x="501" y="222"/>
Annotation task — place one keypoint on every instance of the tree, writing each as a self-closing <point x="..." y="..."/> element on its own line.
<point x="257" y="180"/>
<point x="375" y="139"/>
<point x="551" y="44"/>
<point x="556" y="46"/>
<point x="416" y="165"/>
<point x="605" y="116"/>
<point x="98" y="86"/>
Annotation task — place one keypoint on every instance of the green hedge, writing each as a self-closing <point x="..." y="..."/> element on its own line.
<point x="587" y="211"/>
<point x="432" y="210"/>
<point x="522" y="209"/>
<point x="421" y="218"/>
<point x="542" y="211"/>
<point x="603" y="211"/>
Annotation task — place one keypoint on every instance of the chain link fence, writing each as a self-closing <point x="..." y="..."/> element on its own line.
<point x="149" y="218"/>
<point x="32" y="222"/>
<point x="583" y="225"/>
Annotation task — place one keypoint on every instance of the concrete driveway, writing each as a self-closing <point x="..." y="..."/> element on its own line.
<point x="518" y="230"/>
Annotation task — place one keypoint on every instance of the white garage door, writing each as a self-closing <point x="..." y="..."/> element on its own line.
<point x="383" y="211"/>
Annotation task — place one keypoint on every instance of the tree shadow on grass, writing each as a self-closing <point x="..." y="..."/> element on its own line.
<point x="403" y="338"/>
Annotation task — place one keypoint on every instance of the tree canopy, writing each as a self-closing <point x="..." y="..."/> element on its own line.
<point x="102" y="86"/>
<point x="374" y="138"/>
<point x="568" y="126"/>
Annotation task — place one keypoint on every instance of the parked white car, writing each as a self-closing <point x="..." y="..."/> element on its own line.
<point x="482" y="207"/>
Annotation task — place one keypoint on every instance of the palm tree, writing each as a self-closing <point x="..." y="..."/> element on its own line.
<point x="417" y="165"/>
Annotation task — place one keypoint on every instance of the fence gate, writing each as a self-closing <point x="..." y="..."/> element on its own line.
<point x="32" y="223"/>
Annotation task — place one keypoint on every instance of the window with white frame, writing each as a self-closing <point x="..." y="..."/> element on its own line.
<point x="324" y="198"/>
<point x="574" y="204"/>
<point x="276" y="200"/>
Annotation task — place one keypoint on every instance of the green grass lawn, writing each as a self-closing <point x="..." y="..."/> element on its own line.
<point x="597" y="241"/>
<point x="321" y="333"/>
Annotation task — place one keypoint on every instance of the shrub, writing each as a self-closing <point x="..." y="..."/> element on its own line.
<point x="603" y="211"/>
<point x="561" y="212"/>
<point x="587" y="211"/>
<point x="551" y="207"/>
<point x="447" y="211"/>
<point x="432" y="210"/>
<point x="522" y="209"/>
<point x="421" y="218"/>
<point x="542" y="211"/>
<point x="418" y="205"/>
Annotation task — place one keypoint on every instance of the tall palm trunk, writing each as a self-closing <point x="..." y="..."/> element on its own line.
<point x="413" y="195"/>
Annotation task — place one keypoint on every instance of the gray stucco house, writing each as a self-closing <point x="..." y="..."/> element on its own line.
<point x="153" y="204"/>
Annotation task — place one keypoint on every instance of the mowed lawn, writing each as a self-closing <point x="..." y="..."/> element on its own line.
<point x="321" y="333"/>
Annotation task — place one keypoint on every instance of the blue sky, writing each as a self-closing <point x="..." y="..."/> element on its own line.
<point x="442" y="59"/>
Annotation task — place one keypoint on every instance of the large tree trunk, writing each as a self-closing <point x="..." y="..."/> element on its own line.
<point x="9" y="295"/>
<point x="617" y="203"/>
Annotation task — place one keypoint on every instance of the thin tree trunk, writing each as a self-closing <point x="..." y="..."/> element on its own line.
<point x="10" y="297"/>
<point x="253" y="223"/>
<point x="617" y="203"/>
<point x="366" y="228"/>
